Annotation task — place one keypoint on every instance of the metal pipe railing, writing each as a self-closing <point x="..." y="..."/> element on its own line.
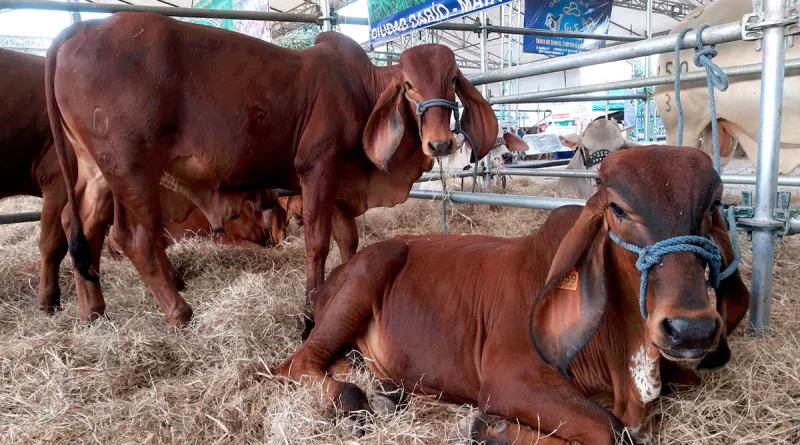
<point x="288" y="17"/>
<point x="587" y="98"/>
<point x="785" y="180"/>
<point x="525" y="202"/>
<point x="792" y="66"/>
<point x="728" y="32"/>
<point x="164" y="10"/>
<point x="16" y="218"/>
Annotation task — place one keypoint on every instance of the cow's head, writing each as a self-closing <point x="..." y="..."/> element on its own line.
<point x="645" y="195"/>
<point x="427" y="72"/>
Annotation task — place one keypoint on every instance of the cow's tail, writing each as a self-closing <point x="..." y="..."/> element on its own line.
<point x="78" y="244"/>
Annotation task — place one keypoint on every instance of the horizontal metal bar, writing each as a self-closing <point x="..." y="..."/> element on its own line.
<point x="525" y="202"/>
<point x="164" y="10"/>
<point x="540" y="164"/>
<point x="16" y="218"/>
<point x="784" y="180"/>
<point x="587" y="98"/>
<point x="711" y="36"/>
<point x="792" y="65"/>
<point x="476" y="27"/>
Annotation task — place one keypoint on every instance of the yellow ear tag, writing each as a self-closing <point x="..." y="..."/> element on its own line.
<point x="569" y="281"/>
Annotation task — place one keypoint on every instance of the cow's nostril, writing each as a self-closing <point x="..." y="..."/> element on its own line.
<point x="440" y="148"/>
<point x="681" y="330"/>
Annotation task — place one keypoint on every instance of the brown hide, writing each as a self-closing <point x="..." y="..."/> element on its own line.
<point x="28" y="166"/>
<point x="230" y="113"/>
<point x="440" y="315"/>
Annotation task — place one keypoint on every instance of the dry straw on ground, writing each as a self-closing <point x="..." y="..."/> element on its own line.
<point x="134" y="379"/>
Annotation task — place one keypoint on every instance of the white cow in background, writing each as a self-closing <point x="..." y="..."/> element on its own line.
<point x="506" y="146"/>
<point x="600" y="138"/>
<point x="738" y="107"/>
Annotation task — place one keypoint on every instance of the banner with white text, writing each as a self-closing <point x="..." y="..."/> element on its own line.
<point x="389" y="19"/>
<point x="588" y="16"/>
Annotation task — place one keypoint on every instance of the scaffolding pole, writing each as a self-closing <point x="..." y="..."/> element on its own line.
<point x="769" y="136"/>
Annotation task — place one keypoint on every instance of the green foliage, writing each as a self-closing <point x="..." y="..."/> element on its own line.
<point x="299" y="38"/>
<point x="638" y="68"/>
<point x="379" y="9"/>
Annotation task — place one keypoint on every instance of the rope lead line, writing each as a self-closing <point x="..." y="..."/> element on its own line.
<point x="422" y="107"/>
<point x="652" y="255"/>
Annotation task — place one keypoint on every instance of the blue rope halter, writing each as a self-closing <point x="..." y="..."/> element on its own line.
<point x="652" y="255"/>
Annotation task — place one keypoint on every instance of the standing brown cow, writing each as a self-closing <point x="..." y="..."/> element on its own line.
<point x="146" y="99"/>
<point x="28" y="165"/>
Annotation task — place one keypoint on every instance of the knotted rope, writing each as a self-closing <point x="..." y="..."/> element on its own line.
<point x="652" y="255"/>
<point x="422" y="107"/>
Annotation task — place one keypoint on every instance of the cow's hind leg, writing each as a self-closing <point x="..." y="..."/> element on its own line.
<point x="345" y="233"/>
<point x="52" y="246"/>
<point x="345" y="303"/>
<point x="139" y="231"/>
<point x="95" y="207"/>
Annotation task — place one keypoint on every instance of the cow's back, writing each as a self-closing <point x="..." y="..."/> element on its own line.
<point x="237" y="104"/>
<point x="24" y="127"/>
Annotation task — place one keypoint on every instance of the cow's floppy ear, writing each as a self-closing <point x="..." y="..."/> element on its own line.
<point x="568" y="311"/>
<point x="514" y="142"/>
<point x="385" y="127"/>
<point x="733" y="298"/>
<point x="627" y="143"/>
<point x="478" y="119"/>
<point x="571" y="140"/>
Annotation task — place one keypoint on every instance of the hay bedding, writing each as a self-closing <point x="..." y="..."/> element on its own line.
<point x="135" y="379"/>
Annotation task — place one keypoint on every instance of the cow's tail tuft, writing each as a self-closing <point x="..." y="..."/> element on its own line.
<point x="78" y="244"/>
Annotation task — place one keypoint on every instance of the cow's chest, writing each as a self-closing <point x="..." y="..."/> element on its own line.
<point x="645" y="373"/>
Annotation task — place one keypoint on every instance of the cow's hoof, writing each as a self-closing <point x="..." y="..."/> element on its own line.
<point x="354" y="424"/>
<point x="50" y="309"/>
<point x="383" y="405"/>
<point x="181" y="317"/>
<point x="468" y="428"/>
<point x="96" y="315"/>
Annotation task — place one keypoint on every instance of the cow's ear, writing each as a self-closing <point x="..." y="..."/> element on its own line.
<point x="568" y="311"/>
<point x="385" y="127"/>
<point x="478" y="119"/>
<point x="627" y="143"/>
<point x="571" y="140"/>
<point x="514" y="142"/>
<point x="733" y="298"/>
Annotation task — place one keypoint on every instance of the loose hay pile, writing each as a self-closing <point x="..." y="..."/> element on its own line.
<point x="134" y="379"/>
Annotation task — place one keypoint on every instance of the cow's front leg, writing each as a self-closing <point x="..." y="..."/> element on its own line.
<point x="319" y="193"/>
<point x="345" y="233"/>
<point x="547" y="402"/>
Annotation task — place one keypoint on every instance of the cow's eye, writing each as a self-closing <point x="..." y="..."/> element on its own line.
<point x="408" y="86"/>
<point x="617" y="210"/>
<point x="714" y="206"/>
<point x="455" y="79"/>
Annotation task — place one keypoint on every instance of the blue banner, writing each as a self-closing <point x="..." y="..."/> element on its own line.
<point x="389" y="19"/>
<point x="588" y="16"/>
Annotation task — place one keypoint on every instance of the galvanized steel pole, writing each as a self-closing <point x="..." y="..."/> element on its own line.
<point x="711" y="36"/>
<point x="648" y="29"/>
<point x="792" y="66"/>
<point x="526" y="202"/>
<point x="769" y="132"/>
<point x="484" y="88"/>
<point x="325" y="9"/>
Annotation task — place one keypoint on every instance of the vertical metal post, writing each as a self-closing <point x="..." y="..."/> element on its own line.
<point x="324" y="6"/>
<point x="769" y="132"/>
<point x="483" y="51"/>
<point x="608" y="92"/>
<point x="649" y="33"/>
<point x="75" y="16"/>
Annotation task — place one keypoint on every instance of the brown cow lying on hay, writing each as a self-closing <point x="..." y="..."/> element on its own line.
<point x="566" y="344"/>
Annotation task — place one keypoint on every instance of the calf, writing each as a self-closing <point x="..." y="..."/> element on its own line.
<point x="565" y="344"/>
<point x="600" y="138"/>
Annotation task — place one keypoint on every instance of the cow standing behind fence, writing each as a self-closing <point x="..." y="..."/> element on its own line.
<point x="323" y="120"/>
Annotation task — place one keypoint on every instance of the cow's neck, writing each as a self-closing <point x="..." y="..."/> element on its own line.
<point x="619" y="355"/>
<point x="380" y="77"/>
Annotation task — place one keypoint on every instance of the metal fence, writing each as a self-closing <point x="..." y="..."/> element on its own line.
<point x="771" y="23"/>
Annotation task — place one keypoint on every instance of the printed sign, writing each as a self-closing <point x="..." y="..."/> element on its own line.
<point x="588" y="16"/>
<point x="389" y="19"/>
